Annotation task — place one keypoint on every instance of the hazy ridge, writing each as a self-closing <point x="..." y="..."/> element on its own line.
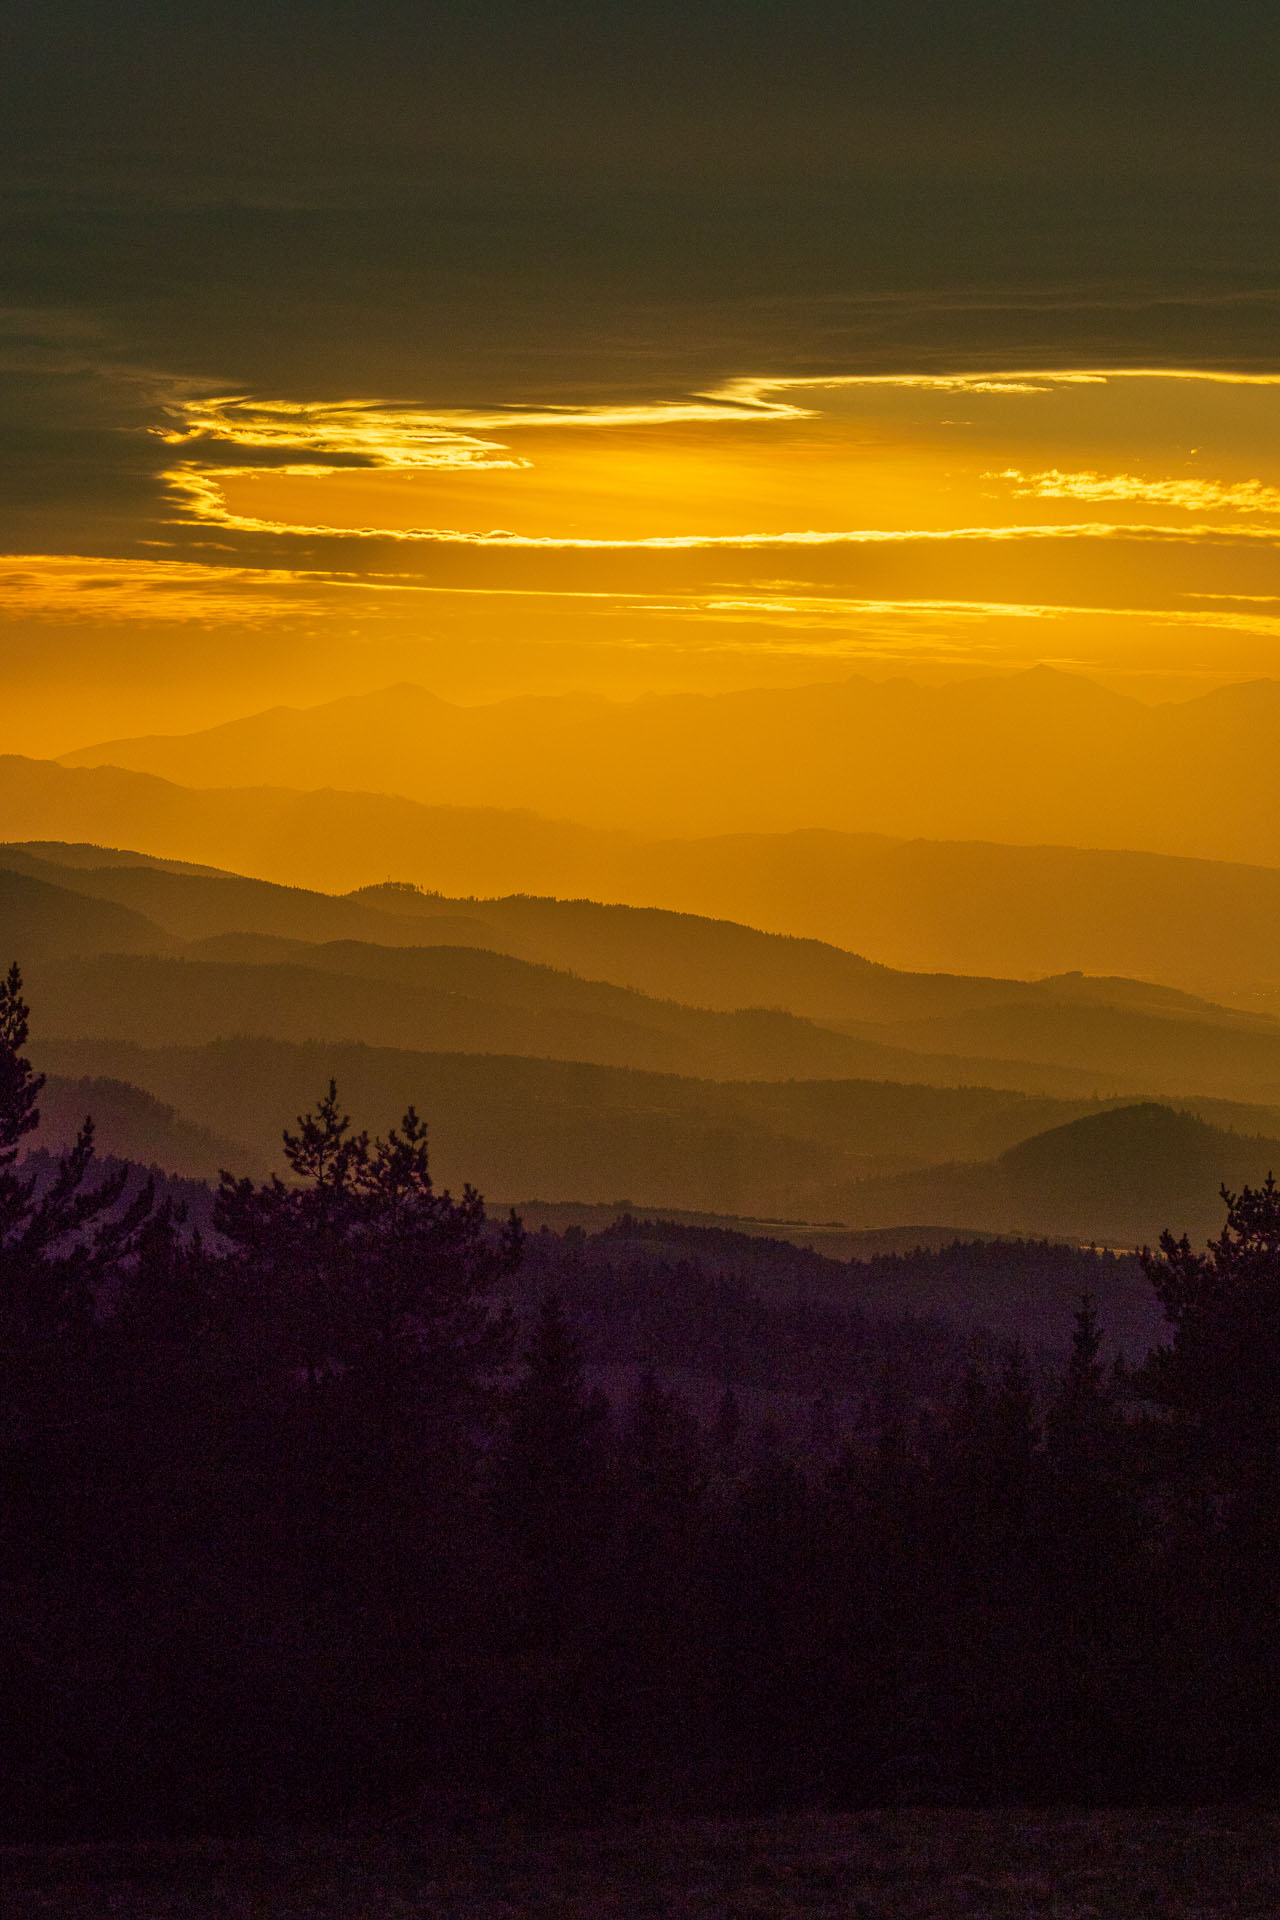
<point x="1034" y="756"/>
<point x="786" y="1007"/>
<point x="1212" y="926"/>
<point x="573" y="1051"/>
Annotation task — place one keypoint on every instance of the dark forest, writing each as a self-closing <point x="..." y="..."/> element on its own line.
<point x="348" y="1500"/>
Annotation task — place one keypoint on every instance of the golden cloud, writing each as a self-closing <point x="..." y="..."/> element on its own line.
<point x="216" y="439"/>
<point x="71" y="586"/>
<point x="1195" y="496"/>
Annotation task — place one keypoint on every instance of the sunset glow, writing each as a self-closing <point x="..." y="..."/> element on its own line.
<point x="639" y="865"/>
<point x="1120" y="522"/>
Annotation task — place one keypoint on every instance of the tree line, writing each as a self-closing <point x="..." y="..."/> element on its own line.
<point x="302" y="1520"/>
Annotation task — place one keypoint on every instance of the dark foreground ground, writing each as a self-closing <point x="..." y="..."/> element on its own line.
<point x="898" y="1865"/>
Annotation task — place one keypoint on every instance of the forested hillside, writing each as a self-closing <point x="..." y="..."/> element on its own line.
<point x="360" y="1497"/>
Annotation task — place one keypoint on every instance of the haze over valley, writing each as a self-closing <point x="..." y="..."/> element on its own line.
<point x="567" y="1052"/>
<point x="1034" y="757"/>
<point x="946" y="904"/>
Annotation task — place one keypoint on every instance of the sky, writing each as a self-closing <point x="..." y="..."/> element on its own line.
<point x="535" y="348"/>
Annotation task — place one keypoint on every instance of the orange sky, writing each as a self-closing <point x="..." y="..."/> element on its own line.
<point x="540" y="347"/>
<point x="1123" y="524"/>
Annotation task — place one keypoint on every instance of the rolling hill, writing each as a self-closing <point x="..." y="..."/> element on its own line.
<point x="973" y="907"/>
<point x="603" y="987"/>
<point x="1118" y="1177"/>
<point x="130" y="1124"/>
<point x="850" y="1128"/>
<point x="535" y="1012"/>
<point x="524" y="1129"/>
<point x="40" y="920"/>
<point x="612" y="985"/>
<point x="230" y="1002"/>
<point x="668" y="954"/>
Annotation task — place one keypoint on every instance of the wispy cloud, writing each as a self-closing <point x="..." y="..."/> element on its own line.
<point x="220" y="438"/>
<point x="841" y="612"/>
<point x="1194" y="496"/>
<point x="200" y="497"/>
<point x="89" y="588"/>
<point x="213" y="439"/>
<point x="314" y="438"/>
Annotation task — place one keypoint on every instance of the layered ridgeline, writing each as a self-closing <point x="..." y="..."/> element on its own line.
<point x="1036" y="756"/>
<point x="576" y="1052"/>
<point x="182" y="956"/>
<point x="1210" y="926"/>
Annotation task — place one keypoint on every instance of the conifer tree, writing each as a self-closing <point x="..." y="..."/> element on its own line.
<point x="378" y="1286"/>
<point x="551" y="1493"/>
<point x="1081" y="1425"/>
<point x="61" y="1237"/>
<point x="1220" y="1377"/>
<point x="1218" y="1383"/>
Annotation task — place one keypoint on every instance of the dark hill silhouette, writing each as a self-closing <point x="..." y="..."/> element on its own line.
<point x="512" y="1008"/>
<point x="43" y="921"/>
<point x="1119" y="1176"/>
<point x="86" y="854"/>
<point x="1036" y="756"/>
<point x="1111" y="1155"/>
<point x="132" y="1125"/>
<point x="190" y="904"/>
<point x="826" y="1151"/>
<point x="274" y="949"/>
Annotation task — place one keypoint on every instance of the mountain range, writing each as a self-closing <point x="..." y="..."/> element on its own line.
<point x="206" y="956"/>
<point x="1035" y="757"/>
<point x="1212" y="927"/>
<point x="776" y="1154"/>
<point x="569" y="1050"/>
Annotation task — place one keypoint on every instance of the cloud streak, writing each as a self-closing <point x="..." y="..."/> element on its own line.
<point x="592" y="480"/>
<point x="220" y="438"/>
<point x="1195" y="496"/>
<point x="86" y="587"/>
<point x="311" y="437"/>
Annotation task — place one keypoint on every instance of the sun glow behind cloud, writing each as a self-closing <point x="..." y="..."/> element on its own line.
<point x="865" y="458"/>
<point x="1121" y="522"/>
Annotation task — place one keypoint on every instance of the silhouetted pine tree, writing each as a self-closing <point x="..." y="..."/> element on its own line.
<point x="1220" y="1377"/>
<point x="66" y="1244"/>
<point x="1218" y="1384"/>
<point x="553" y="1501"/>
<point x="373" y="1297"/>
<point x="1089" y="1594"/>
